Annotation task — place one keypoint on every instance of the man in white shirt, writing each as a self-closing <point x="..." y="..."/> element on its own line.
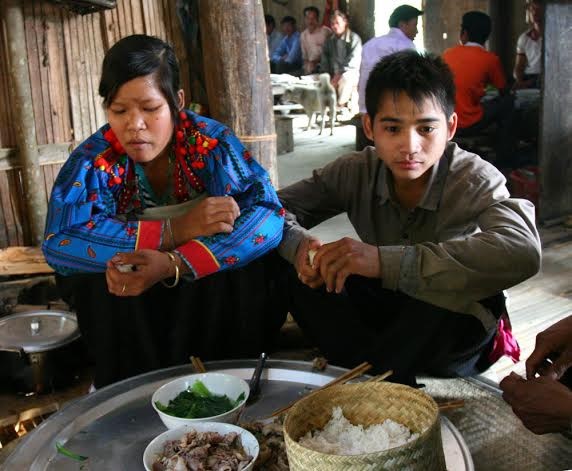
<point x="312" y="39"/>
<point x="528" y="63"/>
<point x="402" y="32"/>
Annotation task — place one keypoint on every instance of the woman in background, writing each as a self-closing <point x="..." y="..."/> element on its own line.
<point x="150" y="290"/>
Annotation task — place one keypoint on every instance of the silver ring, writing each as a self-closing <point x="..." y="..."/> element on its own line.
<point x="124" y="288"/>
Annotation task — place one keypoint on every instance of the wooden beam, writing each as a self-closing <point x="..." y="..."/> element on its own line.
<point x="24" y="117"/>
<point x="238" y="74"/>
<point x="23" y="261"/>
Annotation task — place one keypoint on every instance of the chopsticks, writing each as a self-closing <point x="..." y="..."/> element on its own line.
<point x="380" y="377"/>
<point x="198" y="365"/>
<point x="451" y="405"/>
<point x="352" y="374"/>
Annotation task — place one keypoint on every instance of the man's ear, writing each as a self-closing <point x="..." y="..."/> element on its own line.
<point x="367" y="126"/>
<point x="451" y="126"/>
<point x="181" y="99"/>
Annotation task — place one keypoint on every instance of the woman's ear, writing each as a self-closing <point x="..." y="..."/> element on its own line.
<point x="181" y="99"/>
<point x="367" y="126"/>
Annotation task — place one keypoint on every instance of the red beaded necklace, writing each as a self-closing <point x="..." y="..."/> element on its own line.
<point x="191" y="148"/>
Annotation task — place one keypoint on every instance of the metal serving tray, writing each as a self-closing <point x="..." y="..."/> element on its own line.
<point x="113" y="425"/>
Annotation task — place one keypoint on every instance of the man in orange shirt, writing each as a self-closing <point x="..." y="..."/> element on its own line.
<point x="474" y="68"/>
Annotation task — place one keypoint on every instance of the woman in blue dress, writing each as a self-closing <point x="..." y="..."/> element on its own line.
<point x="160" y="226"/>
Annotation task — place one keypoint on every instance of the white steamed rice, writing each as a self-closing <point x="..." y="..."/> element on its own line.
<point x="340" y="437"/>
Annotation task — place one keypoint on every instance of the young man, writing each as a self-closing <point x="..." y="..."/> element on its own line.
<point x="341" y="58"/>
<point x="402" y="31"/>
<point x="528" y="63"/>
<point x="470" y="83"/>
<point x="273" y="36"/>
<point x="287" y="58"/>
<point x="312" y="40"/>
<point x="440" y="236"/>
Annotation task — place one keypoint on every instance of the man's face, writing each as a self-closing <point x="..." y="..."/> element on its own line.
<point x="311" y="20"/>
<point x="338" y="25"/>
<point x="536" y="12"/>
<point x="409" y="28"/>
<point x="287" y="28"/>
<point x="269" y="28"/>
<point x="409" y="138"/>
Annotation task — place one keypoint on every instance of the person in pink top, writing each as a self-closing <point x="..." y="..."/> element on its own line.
<point x="402" y="32"/>
<point x="312" y="39"/>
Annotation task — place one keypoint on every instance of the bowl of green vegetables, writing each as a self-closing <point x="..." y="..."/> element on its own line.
<point x="204" y="397"/>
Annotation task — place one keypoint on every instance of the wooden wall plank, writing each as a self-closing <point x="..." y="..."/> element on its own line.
<point x="41" y="26"/>
<point x="137" y="18"/>
<point x="9" y="216"/>
<point x="75" y="113"/>
<point x="7" y="136"/>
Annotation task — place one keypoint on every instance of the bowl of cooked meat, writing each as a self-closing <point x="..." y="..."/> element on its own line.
<point x="203" y="397"/>
<point x="203" y="445"/>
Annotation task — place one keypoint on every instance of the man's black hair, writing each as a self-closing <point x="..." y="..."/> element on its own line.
<point x="477" y="25"/>
<point x="314" y="9"/>
<point x="419" y="76"/>
<point x="403" y="13"/>
<point x="139" y="55"/>
<point x="269" y="20"/>
<point x="288" y="19"/>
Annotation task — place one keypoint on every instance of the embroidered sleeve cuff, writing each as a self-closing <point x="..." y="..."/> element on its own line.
<point x="149" y="235"/>
<point x="198" y="258"/>
<point x="391" y="259"/>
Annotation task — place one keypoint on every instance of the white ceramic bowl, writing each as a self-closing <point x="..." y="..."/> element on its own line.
<point x="155" y="447"/>
<point x="217" y="383"/>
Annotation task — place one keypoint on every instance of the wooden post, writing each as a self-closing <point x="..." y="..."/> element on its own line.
<point x="237" y="74"/>
<point x="24" y="117"/>
<point x="555" y="123"/>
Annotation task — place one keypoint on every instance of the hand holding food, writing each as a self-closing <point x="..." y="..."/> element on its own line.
<point x="152" y="266"/>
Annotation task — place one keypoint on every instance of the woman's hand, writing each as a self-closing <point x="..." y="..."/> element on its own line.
<point x="212" y="215"/>
<point x="150" y="267"/>
<point x="337" y="260"/>
<point x="306" y="273"/>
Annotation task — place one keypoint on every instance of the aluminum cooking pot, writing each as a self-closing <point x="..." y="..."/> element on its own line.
<point x="39" y="350"/>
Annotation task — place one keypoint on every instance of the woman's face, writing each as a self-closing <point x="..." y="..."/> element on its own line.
<point x="141" y="119"/>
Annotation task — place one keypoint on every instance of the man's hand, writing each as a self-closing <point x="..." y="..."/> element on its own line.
<point x="542" y="404"/>
<point x="337" y="260"/>
<point x="335" y="79"/>
<point x="554" y="344"/>
<point x="306" y="273"/>
<point x="151" y="266"/>
<point x="212" y="215"/>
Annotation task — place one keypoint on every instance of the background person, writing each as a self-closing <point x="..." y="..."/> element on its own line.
<point x="149" y="293"/>
<point x="528" y="64"/>
<point x="341" y="58"/>
<point x="273" y="36"/>
<point x="402" y="31"/>
<point x="474" y="69"/>
<point x="312" y="40"/>
<point x="287" y="58"/>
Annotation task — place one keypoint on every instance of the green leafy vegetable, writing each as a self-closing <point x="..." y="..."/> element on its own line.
<point x="197" y="402"/>
<point x="70" y="454"/>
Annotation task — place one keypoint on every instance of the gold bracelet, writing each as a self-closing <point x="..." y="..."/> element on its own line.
<point x="170" y="231"/>
<point x="177" y="273"/>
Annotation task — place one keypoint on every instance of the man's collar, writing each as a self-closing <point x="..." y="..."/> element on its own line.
<point x="399" y="32"/>
<point x="432" y="196"/>
<point x="473" y="44"/>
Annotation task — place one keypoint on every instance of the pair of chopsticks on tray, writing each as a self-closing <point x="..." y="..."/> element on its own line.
<point x="198" y="365"/>
<point x="348" y="376"/>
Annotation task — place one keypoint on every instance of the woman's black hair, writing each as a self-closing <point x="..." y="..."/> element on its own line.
<point x="136" y="56"/>
<point x="419" y="76"/>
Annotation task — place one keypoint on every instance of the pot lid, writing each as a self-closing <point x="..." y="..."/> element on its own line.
<point x="38" y="331"/>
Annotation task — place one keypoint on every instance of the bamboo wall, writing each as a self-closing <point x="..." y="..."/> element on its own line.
<point x="65" y="51"/>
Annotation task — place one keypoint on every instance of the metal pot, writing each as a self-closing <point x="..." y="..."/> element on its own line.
<point x="39" y="350"/>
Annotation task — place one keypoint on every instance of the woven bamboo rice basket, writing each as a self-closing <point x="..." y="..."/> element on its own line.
<point x="367" y="404"/>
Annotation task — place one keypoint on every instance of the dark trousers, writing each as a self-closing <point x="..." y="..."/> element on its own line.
<point x="499" y="111"/>
<point x="390" y="330"/>
<point x="231" y="314"/>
